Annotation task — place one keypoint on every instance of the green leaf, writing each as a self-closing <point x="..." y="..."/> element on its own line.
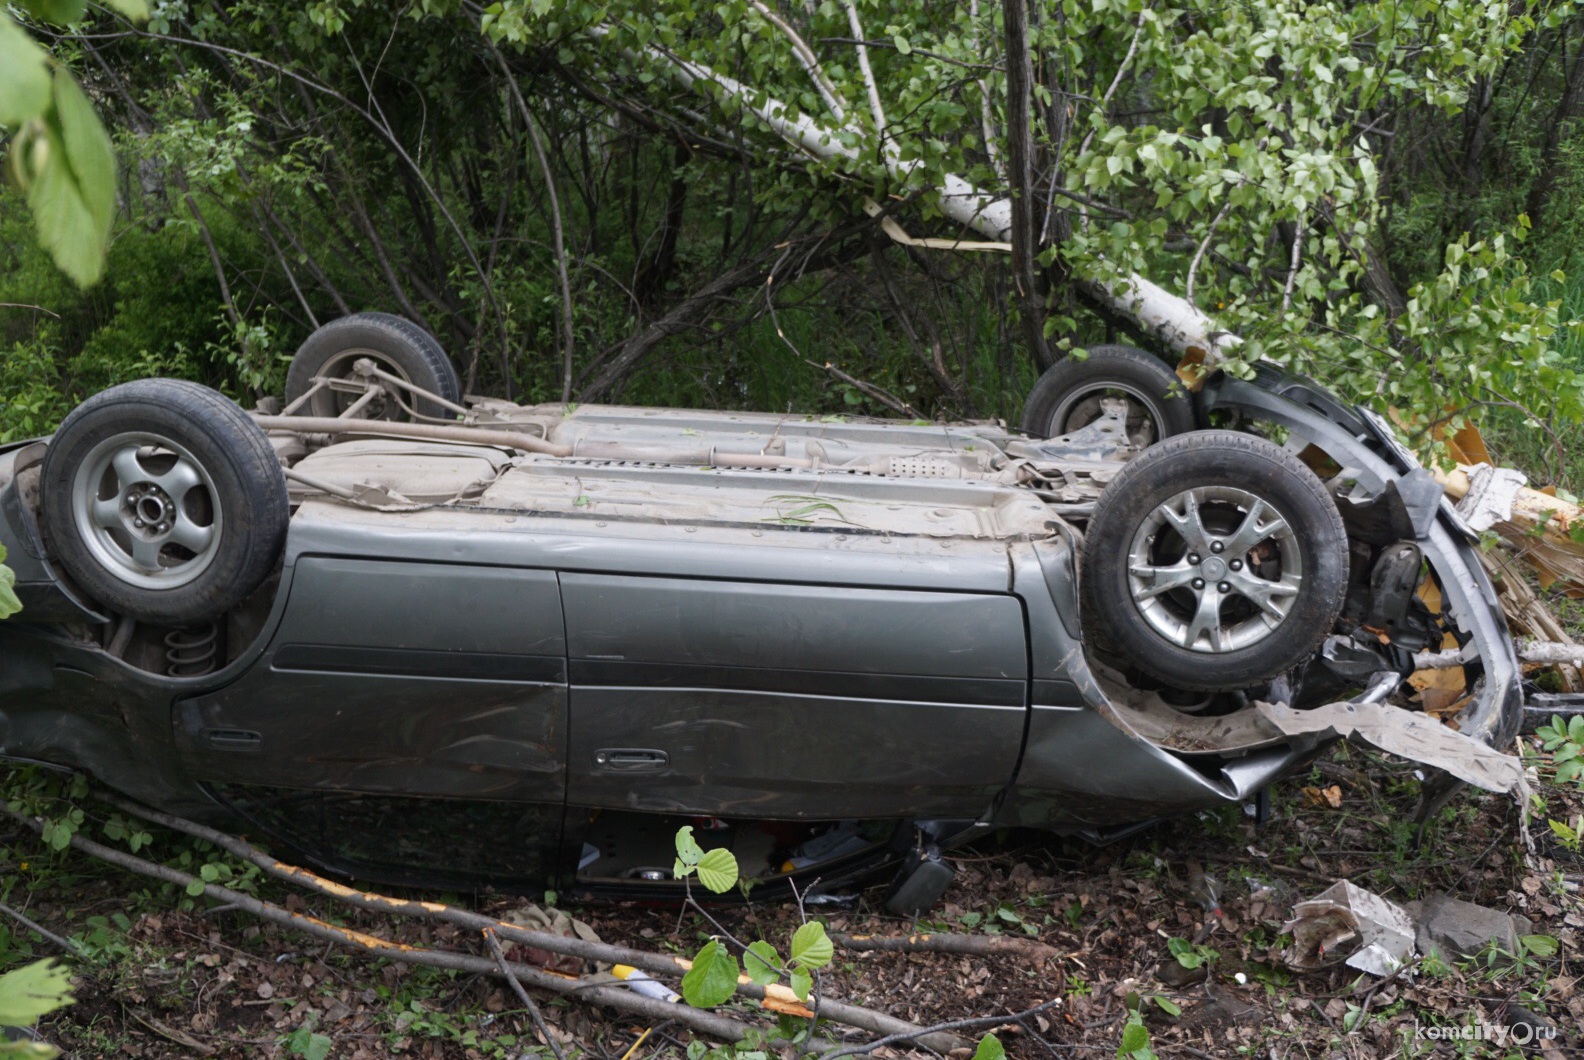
<point x="990" y="1048"/>
<point x="88" y="150"/>
<point x="802" y="983"/>
<point x="811" y="947"/>
<point x="762" y="963"/>
<point x="1168" y="1006"/>
<point x="1540" y="945"/>
<point x="33" y="991"/>
<point x="59" y="12"/>
<point x="9" y="604"/>
<point x="687" y="849"/>
<point x="1134" y="1037"/>
<point x="135" y="10"/>
<point x="24" y="76"/>
<point x="717" y="870"/>
<point x="902" y="44"/>
<point x="69" y="170"/>
<point x="1575" y="725"/>
<point x="713" y="977"/>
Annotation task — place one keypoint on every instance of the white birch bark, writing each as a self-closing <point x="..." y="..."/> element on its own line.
<point x="1170" y="319"/>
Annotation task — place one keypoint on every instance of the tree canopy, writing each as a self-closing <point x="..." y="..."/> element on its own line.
<point x="678" y="201"/>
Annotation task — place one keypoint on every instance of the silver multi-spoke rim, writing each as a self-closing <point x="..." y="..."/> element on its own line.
<point x="1215" y="569"/>
<point x="147" y="511"/>
<point x="385" y="405"/>
<point x="1081" y="408"/>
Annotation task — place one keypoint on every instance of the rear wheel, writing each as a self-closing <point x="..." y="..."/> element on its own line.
<point x="1215" y="560"/>
<point x="393" y="345"/>
<point x="1067" y="397"/>
<point x="164" y="501"/>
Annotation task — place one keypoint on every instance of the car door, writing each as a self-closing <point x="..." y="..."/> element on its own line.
<point x="408" y="678"/>
<point x="774" y="700"/>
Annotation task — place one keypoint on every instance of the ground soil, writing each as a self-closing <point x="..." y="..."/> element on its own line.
<point x="164" y="981"/>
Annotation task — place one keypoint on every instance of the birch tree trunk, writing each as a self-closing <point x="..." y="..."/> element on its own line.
<point x="1172" y="321"/>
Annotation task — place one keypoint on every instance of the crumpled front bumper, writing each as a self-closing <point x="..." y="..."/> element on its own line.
<point x="1361" y="443"/>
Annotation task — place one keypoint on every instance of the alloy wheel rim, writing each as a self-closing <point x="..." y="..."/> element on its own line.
<point x="1215" y="569"/>
<point x="147" y="510"/>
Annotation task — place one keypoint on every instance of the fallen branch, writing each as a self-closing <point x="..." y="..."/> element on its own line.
<point x="774" y="997"/>
<point x="64" y="943"/>
<point x="595" y="991"/>
<point x="951" y="1025"/>
<point x="522" y="995"/>
<point x="971" y="945"/>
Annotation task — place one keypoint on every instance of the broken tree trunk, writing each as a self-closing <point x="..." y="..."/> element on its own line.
<point x="1173" y="321"/>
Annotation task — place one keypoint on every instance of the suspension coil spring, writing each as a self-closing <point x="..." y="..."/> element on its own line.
<point x="191" y="652"/>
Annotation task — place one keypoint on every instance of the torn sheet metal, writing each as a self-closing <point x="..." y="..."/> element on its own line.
<point x="1377" y="935"/>
<point x="1406" y="734"/>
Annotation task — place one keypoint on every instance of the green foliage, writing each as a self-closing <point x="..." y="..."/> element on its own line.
<point x="713" y="977"/>
<point x="1191" y="955"/>
<point x="1564" y="742"/>
<point x="717" y="869"/>
<point x="59" y="151"/>
<point x="9" y="604"/>
<point x="306" y="1043"/>
<point x="1135" y="1043"/>
<point x="990" y="1048"/>
<point x="26" y="994"/>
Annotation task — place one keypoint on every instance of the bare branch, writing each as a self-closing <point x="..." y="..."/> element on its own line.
<point x="568" y="336"/>
<point x="875" y="108"/>
<point x="522" y="995"/>
<point x="1299" y="232"/>
<point x="1204" y="245"/>
<point x="807" y="59"/>
<point x="1116" y="82"/>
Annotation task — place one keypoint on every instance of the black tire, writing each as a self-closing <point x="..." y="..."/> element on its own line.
<point x="164" y="449"/>
<point x="1299" y="566"/>
<point x="1066" y="397"/>
<point x="396" y="345"/>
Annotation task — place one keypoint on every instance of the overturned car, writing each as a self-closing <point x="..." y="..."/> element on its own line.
<point x="427" y="638"/>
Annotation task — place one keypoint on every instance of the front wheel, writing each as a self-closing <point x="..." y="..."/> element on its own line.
<point x="164" y="501"/>
<point x="1213" y="561"/>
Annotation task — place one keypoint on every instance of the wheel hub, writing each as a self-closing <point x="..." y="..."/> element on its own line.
<point x="148" y="511"/>
<point x="1214" y="569"/>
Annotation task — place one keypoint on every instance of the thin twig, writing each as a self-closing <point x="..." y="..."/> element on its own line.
<point x="64" y="943"/>
<point x="1297" y="259"/>
<point x="806" y="59"/>
<point x="24" y="305"/>
<point x="522" y="995"/>
<point x="1193" y="266"/>
<point x="568" y="336"/>
<point x="952" y="1025"/>
<point x="875" y="109"/>
<point x="1116" y="82"/>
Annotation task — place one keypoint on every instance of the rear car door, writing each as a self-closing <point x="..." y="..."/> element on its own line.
<point x="800" y="701"/>
<point x="403" y="677"/>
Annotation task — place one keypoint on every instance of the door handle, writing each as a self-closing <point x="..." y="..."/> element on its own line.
<point x="631" y="759"/>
